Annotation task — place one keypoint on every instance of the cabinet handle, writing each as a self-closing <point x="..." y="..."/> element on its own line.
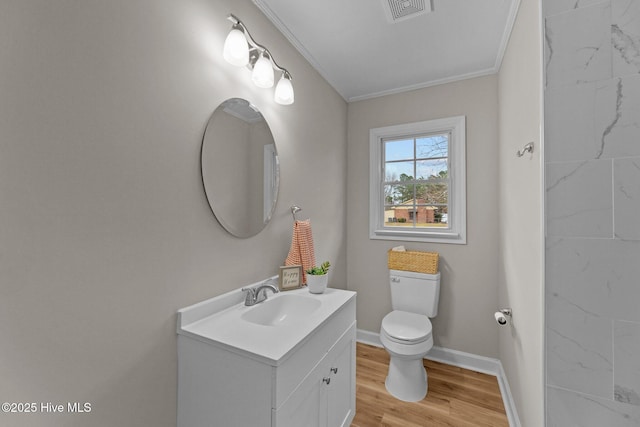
<point x="326" y="380"/>
<point x="334" y="370"/>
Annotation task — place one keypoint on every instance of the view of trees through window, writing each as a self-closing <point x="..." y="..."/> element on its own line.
<point x="416" y="183"/>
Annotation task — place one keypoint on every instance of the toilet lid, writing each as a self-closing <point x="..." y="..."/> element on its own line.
<point x="405" y="326"/>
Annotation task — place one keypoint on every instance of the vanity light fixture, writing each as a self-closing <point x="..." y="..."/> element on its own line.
<point x="236" y="48"/>
<point x="262" y="74"/>
<point x="240" y="49"/>
<point x="284" y="90"/>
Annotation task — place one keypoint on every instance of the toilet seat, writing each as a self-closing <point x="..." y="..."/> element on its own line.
<point x="404" y="327"/>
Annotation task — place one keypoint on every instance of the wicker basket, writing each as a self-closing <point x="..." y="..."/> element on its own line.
<point x="420" y="262"/>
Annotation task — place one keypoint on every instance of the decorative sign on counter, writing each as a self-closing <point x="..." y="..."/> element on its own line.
<point x="290" y="277"/>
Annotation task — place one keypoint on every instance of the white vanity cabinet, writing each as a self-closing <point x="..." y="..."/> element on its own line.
<point x="312" y="384"/>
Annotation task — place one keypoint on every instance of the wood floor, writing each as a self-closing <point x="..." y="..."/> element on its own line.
<point x="456" y="397"/>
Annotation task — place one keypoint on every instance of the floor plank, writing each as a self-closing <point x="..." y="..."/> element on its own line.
<point x="457" y="397"/>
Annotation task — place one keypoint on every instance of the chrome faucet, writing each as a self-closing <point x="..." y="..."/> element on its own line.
<point x="258" y="294"/>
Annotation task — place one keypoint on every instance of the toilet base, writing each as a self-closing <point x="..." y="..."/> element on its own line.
<point x="407" y="379"/>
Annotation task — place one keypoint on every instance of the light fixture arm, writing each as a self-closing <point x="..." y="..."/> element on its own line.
<point x="256" y="49"/>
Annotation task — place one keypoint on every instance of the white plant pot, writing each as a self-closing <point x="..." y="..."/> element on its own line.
<point x="317" y="284"/>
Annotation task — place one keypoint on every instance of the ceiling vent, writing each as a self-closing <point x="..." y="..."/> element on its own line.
<point x="399" y="10"/>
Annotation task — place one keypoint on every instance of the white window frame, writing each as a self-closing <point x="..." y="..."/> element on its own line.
<point x="457" y="213"/>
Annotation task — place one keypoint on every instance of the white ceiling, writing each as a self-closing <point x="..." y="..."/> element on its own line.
<point x="362" y="55"/>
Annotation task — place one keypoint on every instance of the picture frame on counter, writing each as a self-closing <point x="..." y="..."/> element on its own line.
<point x="290" y="277"/>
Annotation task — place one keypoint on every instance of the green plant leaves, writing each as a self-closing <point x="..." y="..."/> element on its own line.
<point x="319" y="271"/>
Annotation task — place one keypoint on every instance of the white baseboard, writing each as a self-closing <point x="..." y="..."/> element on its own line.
<point x="507" y="398"/>
<point x="366" y="337"/>
<point x="473" y="362"/>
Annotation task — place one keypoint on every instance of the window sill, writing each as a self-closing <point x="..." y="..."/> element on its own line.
<point x="419" y="236"/>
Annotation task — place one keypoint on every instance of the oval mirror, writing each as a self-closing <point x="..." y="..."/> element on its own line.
<point x="240" y="169"/>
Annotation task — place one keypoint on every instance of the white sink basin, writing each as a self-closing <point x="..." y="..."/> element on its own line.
<point x="281" y="309"/>
<point x="268" y="331"/>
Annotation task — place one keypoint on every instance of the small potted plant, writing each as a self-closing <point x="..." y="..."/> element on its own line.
<point x="317" y="278"/>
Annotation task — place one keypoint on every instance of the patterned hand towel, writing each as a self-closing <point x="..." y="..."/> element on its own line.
<point x="301" y="251"/>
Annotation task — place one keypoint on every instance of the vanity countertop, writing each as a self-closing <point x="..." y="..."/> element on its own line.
<point x="221" y="321"/>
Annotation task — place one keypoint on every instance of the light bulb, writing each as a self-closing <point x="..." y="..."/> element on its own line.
<point x="236" y="48"/>
<point x="262" y="74"/>
<point x="284" y="91"/>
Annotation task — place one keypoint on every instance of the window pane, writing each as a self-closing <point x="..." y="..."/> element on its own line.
<point x="398" y="150"/>
<point x="432" y="146"/>
<point x="429" y="169"/>
<point x="431" y="216"/>
<point x="397" y="218"/>
<point x="420" y="216"/>
<point x="398" y="194"/>
<point x="398" y="171"/>
<point x="433" y="194"/>
<point x="399" y="215"/>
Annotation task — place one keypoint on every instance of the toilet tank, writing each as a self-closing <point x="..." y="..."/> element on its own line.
<point x="415" y="292"/>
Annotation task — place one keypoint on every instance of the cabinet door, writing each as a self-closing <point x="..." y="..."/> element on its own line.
<point x="326" y="397"/>
<point x="307" y="406"/>
<point x="341" y="389"/>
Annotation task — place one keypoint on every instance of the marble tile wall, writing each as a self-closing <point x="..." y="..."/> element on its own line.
<point x="592" y="174"/>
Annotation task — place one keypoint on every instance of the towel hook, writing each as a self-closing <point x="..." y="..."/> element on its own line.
<point x="528" y="148"/>
<point x="295" y="209"/>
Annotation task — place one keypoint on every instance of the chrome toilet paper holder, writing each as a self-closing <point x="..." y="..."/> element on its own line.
<point x="503" y="316"/>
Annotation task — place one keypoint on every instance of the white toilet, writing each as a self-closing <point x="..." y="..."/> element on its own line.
<point x="406" y="332"/>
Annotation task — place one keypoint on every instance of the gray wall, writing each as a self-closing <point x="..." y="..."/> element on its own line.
<point x="105" y="230"/>
<point x="592" y="163"/>
<point x="469" y="272"/>
<point x="520" y="271"/>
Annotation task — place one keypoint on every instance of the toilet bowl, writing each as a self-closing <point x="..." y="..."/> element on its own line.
<point x="406" y="332"/>
<point x="407" y="337"/>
